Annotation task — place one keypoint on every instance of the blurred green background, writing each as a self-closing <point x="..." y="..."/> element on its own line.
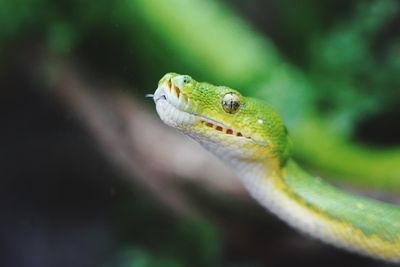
<point x="88" y="172"/>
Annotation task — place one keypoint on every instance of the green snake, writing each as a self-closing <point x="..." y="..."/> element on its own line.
<point x="251" y="138"/>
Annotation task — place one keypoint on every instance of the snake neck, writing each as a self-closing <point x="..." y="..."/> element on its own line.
<point x="322" y="211"/>
<point x="316" y="208"/>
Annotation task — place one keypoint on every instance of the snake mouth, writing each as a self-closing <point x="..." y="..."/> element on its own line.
<point x="173" y="106"/>
<point x="176" y="109"/>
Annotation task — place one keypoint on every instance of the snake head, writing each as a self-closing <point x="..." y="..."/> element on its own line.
<point x="221" y="119"/>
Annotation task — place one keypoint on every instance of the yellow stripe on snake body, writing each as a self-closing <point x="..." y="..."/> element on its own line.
<point x="274" y="194"/>
<point x="250" y="137"/>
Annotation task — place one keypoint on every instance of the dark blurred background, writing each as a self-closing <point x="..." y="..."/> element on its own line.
<point x="91" y="177"/>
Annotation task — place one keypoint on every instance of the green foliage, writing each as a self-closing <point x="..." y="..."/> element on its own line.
<point x="143" y="258"/>
<point x="353" y="68"/>
<point x="154" y="236"/>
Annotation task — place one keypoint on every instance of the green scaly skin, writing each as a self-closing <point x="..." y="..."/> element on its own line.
<point x="252" y="139"/>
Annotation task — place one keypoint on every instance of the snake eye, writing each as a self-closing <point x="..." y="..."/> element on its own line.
<point x="230" y="103"/>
